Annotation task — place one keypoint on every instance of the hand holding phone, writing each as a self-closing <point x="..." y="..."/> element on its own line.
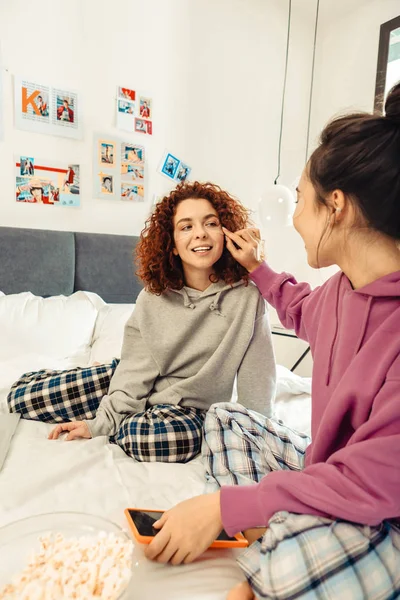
<point x="141" y="522"/>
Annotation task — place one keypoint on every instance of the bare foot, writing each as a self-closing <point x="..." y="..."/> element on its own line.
<point x="254" y="533"/>
<point x="241" y="592"/>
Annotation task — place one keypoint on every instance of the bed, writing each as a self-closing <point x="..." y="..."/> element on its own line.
<point x="64" y="300"/>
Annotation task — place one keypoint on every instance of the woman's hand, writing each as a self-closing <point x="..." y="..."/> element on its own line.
<point x="77" y="429"/>
<point x="249" y="250"/>
<point x="187" y="530"/>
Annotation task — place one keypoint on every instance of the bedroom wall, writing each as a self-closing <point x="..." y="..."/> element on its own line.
<point x="213" y="69"/>
<point x="345" y="69"/>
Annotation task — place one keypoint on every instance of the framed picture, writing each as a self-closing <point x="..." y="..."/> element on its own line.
<point x="388" y="68"/>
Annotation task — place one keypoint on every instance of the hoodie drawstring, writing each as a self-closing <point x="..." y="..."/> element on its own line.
<point x="214" y="306"/>
<point x="364" y="325"/>
<point x="328" y="374"/>
<point x="361" y="336"/>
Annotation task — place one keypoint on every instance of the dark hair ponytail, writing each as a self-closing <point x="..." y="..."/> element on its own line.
<point x="360" y="155"/>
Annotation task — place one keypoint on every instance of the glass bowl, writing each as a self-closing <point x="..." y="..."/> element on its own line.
<point x="18" y="540"/>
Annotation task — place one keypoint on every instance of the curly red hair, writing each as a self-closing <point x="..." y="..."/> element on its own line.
<point x="159" y="268"/>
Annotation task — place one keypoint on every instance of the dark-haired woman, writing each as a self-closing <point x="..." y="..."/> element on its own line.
<point x="331" y="508"/>
<point x="197" y="325"/>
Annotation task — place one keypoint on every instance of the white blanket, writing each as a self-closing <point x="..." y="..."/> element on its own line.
<point x="93" y="476"/>
<point x="96" y="477"/>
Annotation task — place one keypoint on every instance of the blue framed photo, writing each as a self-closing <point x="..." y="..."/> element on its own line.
<point x="170" y="166"/>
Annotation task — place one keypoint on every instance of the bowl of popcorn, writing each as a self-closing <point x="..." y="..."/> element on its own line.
<point x="64" y="555"/>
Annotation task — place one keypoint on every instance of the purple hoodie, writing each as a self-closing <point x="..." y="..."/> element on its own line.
<point x="352" y="466"/>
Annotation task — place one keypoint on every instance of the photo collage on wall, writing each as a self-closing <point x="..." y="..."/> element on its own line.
<point x="119" y="170"/>
<point x="119" y="167"/>
<point x="134" y="112"/>
<point x="46" y="182"/>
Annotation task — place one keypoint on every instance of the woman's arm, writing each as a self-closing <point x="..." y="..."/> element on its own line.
<point x="289" y="298"/>
<point x="281" y="290"/>
<point x="131" y="384"/>
<point x="359" y="483"/>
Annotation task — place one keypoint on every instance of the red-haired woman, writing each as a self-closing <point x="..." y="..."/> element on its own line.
<point x="198" y="324"/>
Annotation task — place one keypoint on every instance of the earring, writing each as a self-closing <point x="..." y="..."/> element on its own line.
<point x="338" y="209"/>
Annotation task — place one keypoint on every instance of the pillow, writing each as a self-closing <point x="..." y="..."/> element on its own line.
<point x="109" y="332"/>
<point x="58" y="327"/>
<point x="11" y="369"/>
<point x="289" y="384"/>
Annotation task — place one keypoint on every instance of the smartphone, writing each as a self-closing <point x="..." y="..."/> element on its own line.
<point x="141" y="523"/>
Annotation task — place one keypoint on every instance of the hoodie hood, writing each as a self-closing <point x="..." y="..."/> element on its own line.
<point x="386" y="286"/>
<point x="213" y="293"/>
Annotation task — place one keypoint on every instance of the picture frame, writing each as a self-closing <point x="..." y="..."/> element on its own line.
<point x="387" y="31"/>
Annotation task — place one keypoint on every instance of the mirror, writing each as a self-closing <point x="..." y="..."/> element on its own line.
<point x="388" y="69"/>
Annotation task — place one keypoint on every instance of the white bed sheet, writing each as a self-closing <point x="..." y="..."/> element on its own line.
<point x="93" y="476"/>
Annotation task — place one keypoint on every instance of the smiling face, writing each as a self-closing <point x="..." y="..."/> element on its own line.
<point x="198" y="238"/>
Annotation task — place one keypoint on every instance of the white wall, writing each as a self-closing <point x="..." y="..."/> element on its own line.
<point x="347" y="55"/>
<point x="344" y="80"/>
<point x="213" y="68"/>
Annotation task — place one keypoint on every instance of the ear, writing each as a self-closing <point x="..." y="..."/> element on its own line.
<point x="337" y="202"/>
<point x="175" y="251"/>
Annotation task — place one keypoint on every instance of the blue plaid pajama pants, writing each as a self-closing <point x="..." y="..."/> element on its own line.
<point x="300" y="557"/>
<point x="162" y="433"/>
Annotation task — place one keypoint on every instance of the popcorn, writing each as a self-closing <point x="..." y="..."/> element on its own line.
<point x="84" y="568"/>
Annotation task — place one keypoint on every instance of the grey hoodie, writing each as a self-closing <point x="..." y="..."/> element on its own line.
<point x="184" y="350"/>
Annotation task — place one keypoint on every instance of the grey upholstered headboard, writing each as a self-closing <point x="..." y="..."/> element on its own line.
<point x="49" y="263"/>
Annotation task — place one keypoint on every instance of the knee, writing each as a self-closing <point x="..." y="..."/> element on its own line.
<point x="161" y="434"/>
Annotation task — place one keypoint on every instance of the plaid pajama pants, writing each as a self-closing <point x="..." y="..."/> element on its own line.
<point x="300" y="557"/>
<point x="163" y="433"/>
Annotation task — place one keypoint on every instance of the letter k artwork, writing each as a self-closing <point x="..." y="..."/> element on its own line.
<point x="26" y="100"/>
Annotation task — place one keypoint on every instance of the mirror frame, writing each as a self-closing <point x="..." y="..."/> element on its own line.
<point x="381" y="69"/>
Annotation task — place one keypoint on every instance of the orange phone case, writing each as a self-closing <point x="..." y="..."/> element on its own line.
<point x="239" y="542"/>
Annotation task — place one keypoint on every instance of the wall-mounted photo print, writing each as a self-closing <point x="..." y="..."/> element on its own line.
<point x="173" y="168"/>
<point x="127" y="108"/>
<point x="27" y="165"/>
<point x="51" y="184"/>
<point x="65" y="109"/>
<point x="137" y="173"/>
<point x="132" y="153"/>
<point x="145" y="108"/>
<point x="45" y="109"/>
<point x="133" y="193"/>
<point x="125" y="117"/>
<point x="107" y="151"/>
<point x="142" y="126"/>
<point x="106" y="183"/>
<point x="132" y="171"/>
<point x="183" y="172"/>
<point x="126" y="93"/>
<point x="170" y="166"/>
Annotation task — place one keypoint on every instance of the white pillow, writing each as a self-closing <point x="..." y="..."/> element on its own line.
<point x="13" y="368"/>
<point x="289" y="384"/>
<point x="59" y="326"/>
<point x="109" y="332"/>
